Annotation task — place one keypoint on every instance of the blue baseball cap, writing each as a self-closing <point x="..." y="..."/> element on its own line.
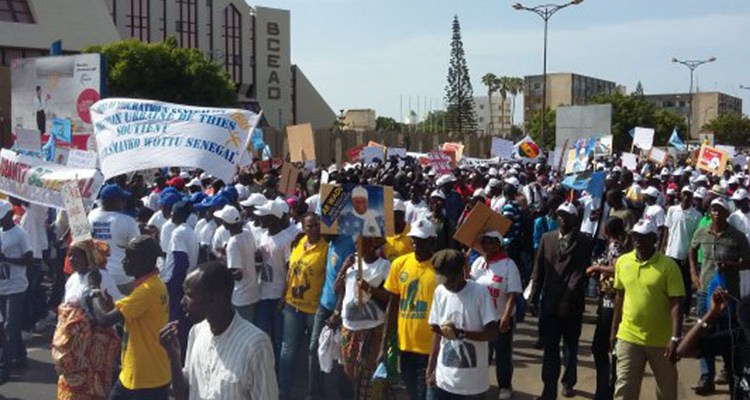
<point x="182" y="208"/>
<point x="197" y="197"/>
<point x="167" y="190"/>
<point x="113" y="191"/>
<point x="230" y="192"/>
<point x="204" y="204"/>
<point x="218" y="202"/>
<point x="169" y="200"/>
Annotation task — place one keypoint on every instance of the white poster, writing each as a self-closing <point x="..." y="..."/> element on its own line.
<point x="502" y="148"/>
<point x="28" y="140"/>
<point x="40" y="182"/>
<point x="730" y="150"/>
<point x="372" y="153"/>
<point x="133" y="135"/>
<point x="629" y="161"/>
<point x="82" y="159"/>
<point x="79" y="224"/>
<point x="643" y="138"/>
<point x="657" y="155"/>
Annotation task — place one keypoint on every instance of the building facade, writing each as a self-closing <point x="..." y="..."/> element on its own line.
<point x="563" y="89"/>
<point x="494" y="121"/>
<point x="360" y="120"/>
<point x="706" y="106"/>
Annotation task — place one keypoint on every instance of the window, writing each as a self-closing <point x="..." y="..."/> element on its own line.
<point x="481" y="120"/>
<point x="137" y="20"/>
<point x="537" y="86"/>
<point x="15" y="11"/>
<point x="210" y="25"/>
<point x="233" y="42"/>
<point x="481" y="106"/>
<point x="186" y="24"/>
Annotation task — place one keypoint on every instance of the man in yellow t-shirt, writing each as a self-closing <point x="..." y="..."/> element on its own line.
<point x="647" y="316"/>
<point x="412" y="283"/>
<point x="399" y="244"/>
<point x="145" y="370"/>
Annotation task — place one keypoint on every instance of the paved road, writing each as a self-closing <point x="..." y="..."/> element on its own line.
<point x="37" y="382"/>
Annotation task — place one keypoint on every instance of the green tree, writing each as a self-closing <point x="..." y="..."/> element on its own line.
<point x="504" y="86"/>
<point x="434" y="122"/>
<point x="387" y="124"/>
<point x="731" y="129"/>
<point x="165" y="72"/>
<point x="459" y="95"/>
<point x="534" y="128"/>
<point x="638" y="89"/>
<point x="490" y="80"/>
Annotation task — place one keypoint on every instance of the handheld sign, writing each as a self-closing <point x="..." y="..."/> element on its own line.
<point x="301" y="142"/>
<point x="356" y="210"/>
<point x="481" y="219"/>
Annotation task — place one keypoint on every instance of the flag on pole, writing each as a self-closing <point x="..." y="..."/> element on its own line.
<point x="526" y="148"/>
<point x="675" y="141"/>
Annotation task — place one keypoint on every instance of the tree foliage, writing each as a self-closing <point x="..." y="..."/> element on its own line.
<point x="165" y="72"/>
<point x="731" y="129"/>
<point x="630" y="111"/>
<point x="387" y="124"/>
<point x="534" y="128"/>
<point x="459" y="95"/>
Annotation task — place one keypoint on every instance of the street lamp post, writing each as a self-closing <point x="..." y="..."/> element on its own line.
<point x="545" y="11"/>
<point x="692" y="65"/>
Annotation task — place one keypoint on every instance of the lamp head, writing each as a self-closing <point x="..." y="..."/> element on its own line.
<point x="517" y="6"/>
<point x="576" y="2"/>
<point x="674" y="60"/>
<point x="712" y="59"/>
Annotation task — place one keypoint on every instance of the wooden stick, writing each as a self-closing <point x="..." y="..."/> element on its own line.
<point x="359" y="269"/>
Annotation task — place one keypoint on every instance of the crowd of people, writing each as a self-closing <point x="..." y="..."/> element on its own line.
<point x="202" y="289"/>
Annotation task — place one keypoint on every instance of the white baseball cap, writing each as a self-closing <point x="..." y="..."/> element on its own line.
<point x="699" y="193"/>
<point x="479" y="193"/>
<point x="184" y="175"/>
<point x="195" y="182"/>
<point x="686" y="189"/>
<point x="228" y="214"/>
<point x="254" y="200"/>
<point x="437" y="193"/>
<point x="568" y="208"/>
<point x="494" y="182"/>
<point x="448" y="178"/>
<point x="513" y="181"/>
<point x="637" y="178"/>
<point x="740" y="194"/>
<point x="701" y="178"/>
<point x="492" y="171"/>
<point x="399" y="205"/>
<point x="721" y="202"/>
<point x="651" y="191"/>
<point x="5" y="208"/>
<point x="423" y="229"/>
<point x="644" y="227"/>
<point x="492" y="234"/>
<point x="273" y="207"/>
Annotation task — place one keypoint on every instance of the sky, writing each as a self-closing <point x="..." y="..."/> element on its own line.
<point x="373" y="53"/>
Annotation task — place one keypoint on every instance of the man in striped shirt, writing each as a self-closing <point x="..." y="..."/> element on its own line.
<point x="227" y="356"/>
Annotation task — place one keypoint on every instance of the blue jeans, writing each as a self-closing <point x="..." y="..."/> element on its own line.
<point x="271" y="321"/>
<point x="296" y="325"/>
<point x="13" y="349"/>
<point x="708" y="364"/>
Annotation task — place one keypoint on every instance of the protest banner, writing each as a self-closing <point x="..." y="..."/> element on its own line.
<point x="355" y="153"/>
<point x="502" y="148"/>
<point x="629" y="161"/>
<point x="301" y="142"/>
<point x="711" y="159"/>
<point x="81" y="159"/>
<point x="133" y="134"/>
<point x="376" y="144"/>
<point x="440" y="162"/>
<point x="40" y="182"/>
<point x="356" y="210"/>
<point x="643" y="138"/>
<point x="373" y="154"/>
<point x="657" y="155"/>
<point x="481" y="219"/>
<point x="77" y="221"/>
<point x="28" y="140"/>
<point x="740" y="161"/>
<point x="399" y="152"/>
<point x="473" y="162"/>
<point x="288" y="182"/>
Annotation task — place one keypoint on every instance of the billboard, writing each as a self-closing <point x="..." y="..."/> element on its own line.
<point x="575" y="122"/>
<point x="273" y="65"/>
<point x="58" y="88"/>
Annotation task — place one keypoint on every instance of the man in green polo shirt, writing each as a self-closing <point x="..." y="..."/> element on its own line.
<point x="647" y="316"/>
<point x="724" y="248"/>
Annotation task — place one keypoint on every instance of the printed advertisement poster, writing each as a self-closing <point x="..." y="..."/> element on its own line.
<point x="711" y="159"/>
<point x="79" y="224"/>
<point x="134" y="134"/>
<point x="56" y="88"/>
<point x="356" y="210"/>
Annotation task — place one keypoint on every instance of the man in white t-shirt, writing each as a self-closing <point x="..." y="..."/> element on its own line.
<point x="499" y="274"/>
<point x="109" y="224"/>
<point x="463" y="319"/>
<point x="682" y="221"/>
<point x="15" y="258"/>
<point x="655" y="213"/>
<point x="240" y="253"/>
<point x="740" y="219"/>
<point x="416" y="207"/>
<point x="207" y="232"/>
<point x="34" y="222"/>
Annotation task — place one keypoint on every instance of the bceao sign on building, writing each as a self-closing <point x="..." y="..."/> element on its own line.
<point x="273" y="74"/>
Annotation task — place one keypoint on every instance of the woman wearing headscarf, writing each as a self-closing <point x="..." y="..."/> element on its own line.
<point x="83" y="353"/>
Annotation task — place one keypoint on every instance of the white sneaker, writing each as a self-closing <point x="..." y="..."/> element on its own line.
<point x="505" y="394"/>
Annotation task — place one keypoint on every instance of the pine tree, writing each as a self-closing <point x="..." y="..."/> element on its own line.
<point x="638" y="89"/>
<point x="459" y="96"/>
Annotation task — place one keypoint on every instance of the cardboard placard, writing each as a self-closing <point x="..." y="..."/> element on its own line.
<point x="643" y="138"/>
<point x="28" y="140"/>
<point x="288" y="182"/>
<point x="657" y="155"/>
<point x="79" y="224"/>
<point x="82" y="158"/>
<point x="301" y="142"/>
<point x="343" y="215"/>
<point x="502" y="148"/>
<point x="440" y="162"/>
<point x="711" y="159"/>
<point x="371" y="154"/>
<point x="399" y="152"/>
<point x="577" y="161"/>
<point x="481" y="219"/>
<point x="456" y="150"/>
<point x="266" y="165"/>
<point x="629" y="161"/>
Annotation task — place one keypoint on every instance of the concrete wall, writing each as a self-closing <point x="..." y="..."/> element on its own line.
<point x="273" y="75"/>
<point x="5" y="139"/>
<point x="309" y="105"/>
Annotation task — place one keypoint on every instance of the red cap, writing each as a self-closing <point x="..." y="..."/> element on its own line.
<point x="177" y="183"/>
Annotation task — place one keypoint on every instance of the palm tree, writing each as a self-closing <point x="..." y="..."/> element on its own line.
<point x="490" y="80"/>
<point x="516" y="88"/>
<point x="504" y="85"/>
